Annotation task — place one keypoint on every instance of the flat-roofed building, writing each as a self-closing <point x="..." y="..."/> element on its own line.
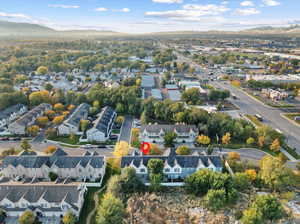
<point x="174" y="95"/>
<point x="148" y="81"/>
<point x="156" y="94"/>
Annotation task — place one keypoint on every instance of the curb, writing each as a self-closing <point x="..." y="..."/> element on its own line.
<point x="257" y="100"/>
<point x="291" y="121"/>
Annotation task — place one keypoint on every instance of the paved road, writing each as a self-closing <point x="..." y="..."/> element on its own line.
<point x="39" y="138"/>
<point x="270" y="115"/>
<point x="125" y="133"/>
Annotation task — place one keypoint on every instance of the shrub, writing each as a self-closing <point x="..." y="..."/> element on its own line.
<point x="50" y="149"/>
<point x="183" y="150"/>
<point x="241" y="181"/>
<point x="53" y="176"/>
<point x="215" y="199"/>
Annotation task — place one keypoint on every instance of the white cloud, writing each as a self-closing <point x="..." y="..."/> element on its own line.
<point x="101" y="9"/>
<point x="209" y="9"/>
<point x="167" y="1"/>
<point x="224" y="2"/>
<point x="271" y="2"/>
<point x="247" y="3"/>
<point x="125" y="10"/>
<point x="190" y="12"/>
<point x="14" y="15"/>
<point x="247" y="12"/>
<point x="64" y="6"/>
<point x="122" y="10"/>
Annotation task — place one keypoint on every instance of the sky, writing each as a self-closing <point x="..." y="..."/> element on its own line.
<point x="143" y="16"/>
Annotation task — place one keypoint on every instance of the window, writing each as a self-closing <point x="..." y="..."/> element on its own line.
<point x="142" y="170"/>
<point x="177" y="170"/>
<point x="167" y="170"/>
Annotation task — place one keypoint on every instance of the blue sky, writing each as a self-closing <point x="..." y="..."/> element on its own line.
<point x="140" y="16"/>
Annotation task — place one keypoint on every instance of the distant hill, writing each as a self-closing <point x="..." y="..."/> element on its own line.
<point x="294" y="29"/>
<point x="22" y="28"/>
<point x="28" y="30"/>
<point x="13" y="30"/>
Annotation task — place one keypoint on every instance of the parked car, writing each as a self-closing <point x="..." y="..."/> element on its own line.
<point x="4" y="139"/>
<point x="87" y="146"/>
<point x="102" y="147"/>
<point x="113" y="137"/>
<point x="15" y="139"/>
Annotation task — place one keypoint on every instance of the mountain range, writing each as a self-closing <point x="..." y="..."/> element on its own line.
<point x="19" y="30"/>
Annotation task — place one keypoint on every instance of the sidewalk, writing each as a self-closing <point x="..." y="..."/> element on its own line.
<point x="289" y="156"/>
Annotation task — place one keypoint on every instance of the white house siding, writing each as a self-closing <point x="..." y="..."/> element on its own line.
<point x="67" y="129"/>
<point x="94" y="135"/>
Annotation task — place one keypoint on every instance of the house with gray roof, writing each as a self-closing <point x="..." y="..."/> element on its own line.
<point x="101" y="130"/>
<point x="45" y="199"/>
<point x="72" y="124"/>
<point x="176" y="167"/>
<point x="89" y="167"/>
<point x="155" y="133"/>
<point x="11" y="113"/>
<point x="19" y="126"/>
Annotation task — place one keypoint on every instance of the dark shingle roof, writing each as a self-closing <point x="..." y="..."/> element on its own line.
<point x="179" y="128"/>
<point x="189" y="161"/>
<point x="60" y="158"/>
<point x="27" y="153"/>
<point x="8" y="111"/>
<point x="32" y="114"/>
<point x="79" y="113"/>
<point x="103" y="122"/>
<point x="59" y="152"/>
<point x="32" y="193"/>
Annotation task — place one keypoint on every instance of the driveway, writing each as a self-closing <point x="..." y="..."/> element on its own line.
<point x="125" y="134"/>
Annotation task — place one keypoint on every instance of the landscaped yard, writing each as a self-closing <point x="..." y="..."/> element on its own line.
<point x="135" y="137"/>
<point x="116" y="131"/>
<point x="67" y="140"/>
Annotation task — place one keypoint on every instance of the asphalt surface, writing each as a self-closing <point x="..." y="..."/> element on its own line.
<point x="271" y="116"/>
<point x="248" y="105"/>
<point x="125" y="133"/>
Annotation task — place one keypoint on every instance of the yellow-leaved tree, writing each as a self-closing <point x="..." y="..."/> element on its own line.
<point x="203" y="140"/>
<point x="226" y="138"/>
<point x="121" y="149"/>
<point x="275" y="146"/>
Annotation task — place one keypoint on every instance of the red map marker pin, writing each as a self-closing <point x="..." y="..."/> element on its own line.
<point x="145" y="148"/>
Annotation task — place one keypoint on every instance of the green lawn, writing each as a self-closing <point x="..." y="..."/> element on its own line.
<point x="67" y="140"/>
<point x="116" y="131"/>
